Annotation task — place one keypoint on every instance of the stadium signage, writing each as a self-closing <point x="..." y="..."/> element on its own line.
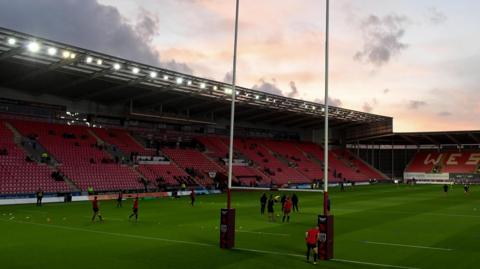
<point x="426" y="176"/>
<point x="453" y="159"/>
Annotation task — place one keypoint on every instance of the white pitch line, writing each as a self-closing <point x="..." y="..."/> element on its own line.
<point x="112" y="234"/>
<point x="406" y="246"/>
<point x="375" y="264"/>
<point x="337" y="260"/>
<point x="197" y="243"/>
<point x="262" y="233"/>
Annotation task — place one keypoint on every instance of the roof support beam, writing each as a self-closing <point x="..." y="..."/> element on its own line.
<point x="453" y="139"/>
<point x="474" y="138"/>
<point x="82" y="80"/>
<point x="96" y="93"/>
<point x="39" y="72"/>
<point x="408" y="139"/>
<point x="260" y="115"/>
<point x="284" y="118"/>
<point x="10" y="53"/>
<point x="299" y="120"/>
<point x="429" y="138"/>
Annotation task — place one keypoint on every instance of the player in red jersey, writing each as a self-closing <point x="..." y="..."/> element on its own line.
<point x="96" y="209"/>
<point x="135" y="210"/>
<point x="312" y="237"/>
<point x="192" y="197"/>
<point x="287" y="208"/>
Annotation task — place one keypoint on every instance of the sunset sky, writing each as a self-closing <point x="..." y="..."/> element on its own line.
<point x="417" y="61"/>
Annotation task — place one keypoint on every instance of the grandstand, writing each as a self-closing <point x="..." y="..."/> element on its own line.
<point x="111" y="124"/>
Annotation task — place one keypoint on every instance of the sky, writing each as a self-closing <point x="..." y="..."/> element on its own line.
<point x="416" y="61"/>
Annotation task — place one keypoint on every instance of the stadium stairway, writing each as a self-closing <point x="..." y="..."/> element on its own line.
<point x="117" y="153"/>
<point x="35" y="154"/>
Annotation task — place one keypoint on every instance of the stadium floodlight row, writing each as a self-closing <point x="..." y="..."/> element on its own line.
<point x="16" y="46"/>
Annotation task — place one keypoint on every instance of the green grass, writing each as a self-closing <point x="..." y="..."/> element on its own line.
<point x="172" y="234"/>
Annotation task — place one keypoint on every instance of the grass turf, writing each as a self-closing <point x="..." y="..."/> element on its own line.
<point x="375" y="227"/>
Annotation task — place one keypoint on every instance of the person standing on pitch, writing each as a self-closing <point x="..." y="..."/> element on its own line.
<point x="263" y="203"/>
<point x="287" y="208"/>
<point x="120" y="199"/>
<point x="192" y="197"/>
<point x="135" y="210"/>
<point x="96" y="209"/>
<point x="295" y="202"/>
<point x="270" y="204"/>
<point x="39" y="197"/>
<point x="283" y="199"/>
<point x="466" y="188"/>
<point x="445" y="188"/>
<point x="312" y="237"/>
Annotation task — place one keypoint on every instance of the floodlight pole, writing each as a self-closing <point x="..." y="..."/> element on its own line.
<point x="325" y="168"/>
<point x="232" y="112"/>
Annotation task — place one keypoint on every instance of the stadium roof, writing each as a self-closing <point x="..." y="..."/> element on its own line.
<point x="40" y="66"/>
<point x="424" y="138"/>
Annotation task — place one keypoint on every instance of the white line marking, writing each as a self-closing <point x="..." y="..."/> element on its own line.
<point x="337" y="260"/>
<point x="198" y="244"/>
<point x="407" y="246"/>
<point x="262" y="233"/>
<point x="375" y="264"/>
<point x="112" y="234"/>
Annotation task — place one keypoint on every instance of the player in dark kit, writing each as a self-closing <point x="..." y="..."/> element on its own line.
<point x="96" y="209"/>
<point x="192" y="197"/>
<point x="283" y="199"/>
<point x="312" y="237"/>
<point x="263" y="203"/>
<point x="270" y="204"/>
<point x="135" y="210"/>
<point x="39" y="197"/>
<point x="119" y="199"/>
<point x="445" y="188"/>
<point x="295" y="202"/>
<point x="466" y="188"/>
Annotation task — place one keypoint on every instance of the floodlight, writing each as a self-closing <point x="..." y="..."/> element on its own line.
<point x="33" y="47"/>
<point x="179" y="80"/>
<point x="66" y="54"/>
<point x="12" y="41"/>
<point x="52" y="51"/>
<point x="72" y="55"/>
<point x="135" y="70"/>
<point x="215" y="88"/>
<point x="202" y="85"/>
<point x="153" y="74"/>
<point x="88" y="60"/>
<point x="165" y="77"/>
<point x="99" y="61"/>
<point x="116" y="66"/>
<point x="228" y="91"/>
<point x="189" y="82"/>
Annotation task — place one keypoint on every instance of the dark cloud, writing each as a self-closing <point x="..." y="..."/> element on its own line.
<point x="367" y="107"/>
<point x="331" y="101"/>
<point x="293" y="90"/>
<point x="436" y="16"/>
<point x="268" y="87"/>
<point x="370" y="105"/>
<point x="87" y="24"/>
<point x="228" y="78"/>
<point x="147" y="25"/>
<point x="444" y="114"/>
<point x="415" y="104"/>
<point x="381" y="39"/>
